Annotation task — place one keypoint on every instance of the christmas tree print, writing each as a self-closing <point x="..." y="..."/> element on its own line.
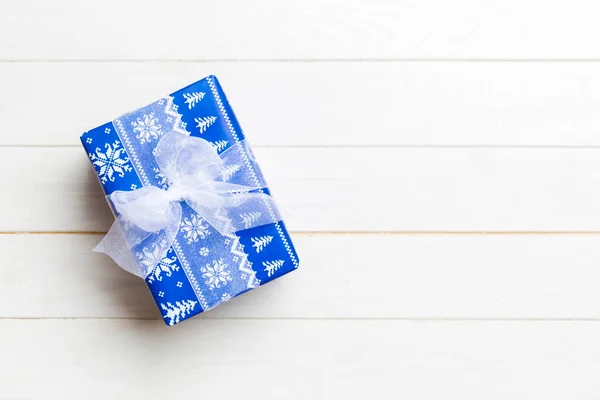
<point x="272" y="266"/>
<point x="219" y="145"/>
<point x="204" y="123"/>
<point x="175" y="313"/>
<point x="191" y="99"/>
<point x="229" y="171"/>
<point x="260" y="243"/>
<point x="249" y="218"/>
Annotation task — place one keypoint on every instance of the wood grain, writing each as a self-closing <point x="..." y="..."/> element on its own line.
<point x="340" y="276"/>
<point x="376" y="123"/>
<point x="347" y="189"/>
<point x="321" y="104"/>
<point x="298" y="29"/>
<point x="96" y="359"/>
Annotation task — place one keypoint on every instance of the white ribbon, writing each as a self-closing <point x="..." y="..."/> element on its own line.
<point x="196" y="174"/>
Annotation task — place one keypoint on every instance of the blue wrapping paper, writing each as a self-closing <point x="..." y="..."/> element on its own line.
<point x="202" y="268"/>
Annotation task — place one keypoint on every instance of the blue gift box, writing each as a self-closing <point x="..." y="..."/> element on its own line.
<point x="203" y="268"/>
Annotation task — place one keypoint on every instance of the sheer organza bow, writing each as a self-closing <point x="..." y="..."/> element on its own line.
<point x="217" y="187"/>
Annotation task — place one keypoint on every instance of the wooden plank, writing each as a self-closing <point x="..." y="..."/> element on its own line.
<point x="253" y="359"/>
<point x="270" y="29"/>
<point x="340" y="276"/>
<point x="322" y="104"/>
<point x="347" y="189"/>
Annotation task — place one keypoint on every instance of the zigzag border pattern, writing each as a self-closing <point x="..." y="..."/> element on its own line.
<point x="286" y="245"/>
<point x="238" y="249"/>
<point x="171" y="110"/>
<point x="190" y="275"/>
<point x="215" y="93"/>
<point x="245" y="266"/>
<point x="144" y="178"/>
<point x="122" y="133"/>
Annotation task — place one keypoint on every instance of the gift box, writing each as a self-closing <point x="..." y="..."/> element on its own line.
<point x="198" y="261"/>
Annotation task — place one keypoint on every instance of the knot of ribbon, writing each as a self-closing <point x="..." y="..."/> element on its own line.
<point x="221" y="189"/>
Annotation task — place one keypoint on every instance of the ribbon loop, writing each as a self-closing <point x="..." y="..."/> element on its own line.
<point x="217" y="187"/>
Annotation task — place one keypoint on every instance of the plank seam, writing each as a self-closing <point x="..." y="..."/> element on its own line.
<point x="366" y="146"/>
<point x="304" y="60"/>
<point x="374" y="319"/>
<point x="364" y="233"/>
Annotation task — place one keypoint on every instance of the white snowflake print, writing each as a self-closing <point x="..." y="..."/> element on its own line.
<point x="107" y="130"/>
<point x="204" y="251"/>
<point x="150" y="260"/>
<point x="225" y="297"/>
<point x="216" y="275"/>
<point x="178" y="311"/>
<point x="249" y="218"/>
<point x="272" y="266"/>
<point x="89" y="140"/>
<point x="110" y="162"/>
<point x="161" y="177"/>
<point x="219" y="145"/>
<point x="260" y="243"/>
<point x="147" y="128"/>
<point x="194" y="228"/>
<point x="191" y="99"/>
<point x="204" y="123"/>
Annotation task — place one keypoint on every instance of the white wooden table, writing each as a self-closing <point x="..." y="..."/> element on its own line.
<point x="439" y="162"/>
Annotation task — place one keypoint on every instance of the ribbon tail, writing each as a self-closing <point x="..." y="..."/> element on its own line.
<point x="239" y="211"/>
<point x="136" y="253"/>
<point x="115" y="246"/>
<point x="236" y="170"/>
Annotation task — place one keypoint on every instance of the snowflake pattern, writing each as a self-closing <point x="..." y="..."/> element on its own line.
<point x="210" y="260"/>
<point x="150" y="260"/>
<point x="225" y="297"/>
<point x="147" y="128"/>
<point x="194" y="228"/>
<point x="110" y="162"/>
<point x="215" y="275"/>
